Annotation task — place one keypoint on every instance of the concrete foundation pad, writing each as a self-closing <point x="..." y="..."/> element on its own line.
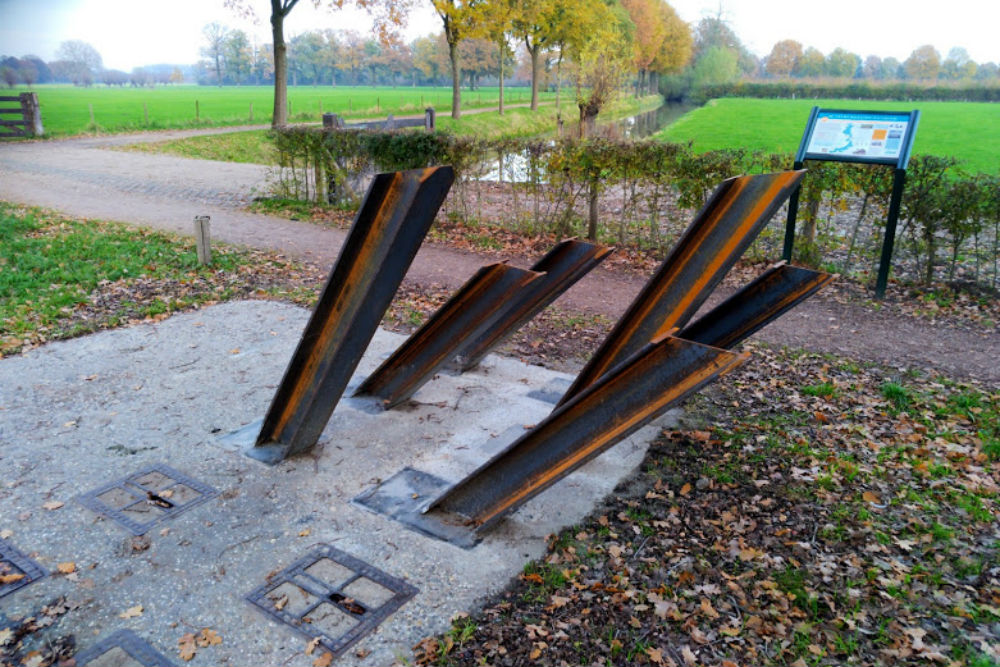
<point x="80" y="414"/>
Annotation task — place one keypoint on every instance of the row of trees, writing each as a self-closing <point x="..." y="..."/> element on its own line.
<point x="596" y="43"/>
<point x="80" y="63"/>
<point x="788" y="58"/>
<point x="334" y="57"/>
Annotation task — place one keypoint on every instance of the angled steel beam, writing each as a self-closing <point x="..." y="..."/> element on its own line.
<point x="721" y="232"/>
<point x="770" y="295"/>
<point x="619" y="403"/>
<point x="387" y="232"/>
<point x="563" y="265"/>
<point x="479" y="302"/>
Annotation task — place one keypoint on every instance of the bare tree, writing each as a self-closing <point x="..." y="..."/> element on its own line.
<point x="387" y="14"/>
<point x="9" y="75"/>
<point x="216" y="37"/>
<point x="82" y="53"/>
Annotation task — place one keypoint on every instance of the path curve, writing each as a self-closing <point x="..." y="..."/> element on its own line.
<point x="82" y="177"/>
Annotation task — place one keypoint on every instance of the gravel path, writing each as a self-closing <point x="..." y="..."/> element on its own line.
<point x="82" y="177"/>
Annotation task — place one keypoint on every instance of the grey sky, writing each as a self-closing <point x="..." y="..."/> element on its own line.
<point x="129" y="33"/>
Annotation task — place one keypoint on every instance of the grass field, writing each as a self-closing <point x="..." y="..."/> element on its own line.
<point x="967" y="131"/>
<point x="66" y="109"/>
<point x="255" y="146"/>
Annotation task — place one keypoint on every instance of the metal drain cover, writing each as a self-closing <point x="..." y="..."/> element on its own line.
<point x="332" y="596"/>
<point x="16" y="569"/>
<point x="118" y="648"/>
<point x="144" y="499"/>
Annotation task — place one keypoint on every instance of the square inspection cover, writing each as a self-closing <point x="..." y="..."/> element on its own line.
<point x="16" y="569"/>
<point x="332" y="596"/>
<point x="122" y="649"/>
<point x="144" y="499"/>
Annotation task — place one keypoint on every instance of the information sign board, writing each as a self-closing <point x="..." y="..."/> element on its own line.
<point x="873" y="137"/>
<point x="882" y="137"/>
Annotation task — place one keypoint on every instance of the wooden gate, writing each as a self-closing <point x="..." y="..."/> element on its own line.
<point x="28" y="121"/>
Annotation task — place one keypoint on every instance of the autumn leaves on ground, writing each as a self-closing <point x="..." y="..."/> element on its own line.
<point x="816" y="512"/>
<point x="812" y="511"/>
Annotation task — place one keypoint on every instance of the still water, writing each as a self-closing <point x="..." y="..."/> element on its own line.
<point x="515" y="166"/>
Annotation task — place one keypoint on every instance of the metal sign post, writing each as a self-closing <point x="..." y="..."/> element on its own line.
<point x="867" y="137"/>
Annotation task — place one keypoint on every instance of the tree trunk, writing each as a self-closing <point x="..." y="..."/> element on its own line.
<point x="588" y="115"/>
<point x="456" y="80"/>
<point x="279" y="117"/>
<point x="535" y="51"/>
<point x="559" y="82"/>
<point x="501" y="78"/>
<point x="592" y="212"/>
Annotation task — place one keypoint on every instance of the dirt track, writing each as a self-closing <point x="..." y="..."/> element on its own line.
<point x="81" y="177"/>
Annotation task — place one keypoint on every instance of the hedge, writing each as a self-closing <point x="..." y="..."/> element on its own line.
<point x="643" y="194"/>
<point x="863" y="90"/>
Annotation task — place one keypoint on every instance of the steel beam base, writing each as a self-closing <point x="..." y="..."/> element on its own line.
<point x="403" y="498"/>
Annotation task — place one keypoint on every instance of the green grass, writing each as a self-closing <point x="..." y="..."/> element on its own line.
<point x="522" y="122"/>
<point x="963" y="130"/>
<point x="61" y="277"/>
<point x="256" y="147"/>
<point x="253" y="147"/>
<point x="65" y="109"/>
<point x="50" y="266"/>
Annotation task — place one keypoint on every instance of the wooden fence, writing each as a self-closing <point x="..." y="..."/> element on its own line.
<point x="334" y="121"/>
<point x="30" y="121"/>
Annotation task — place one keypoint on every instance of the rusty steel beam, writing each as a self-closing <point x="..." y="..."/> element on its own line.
<point x="387" y="232"/>
<point x="563" y="266"/>
<point x="619" y="403"/>
<point x="465" y="316"/>
<point x="770" y="295"/>
<point x="721" y="232"/>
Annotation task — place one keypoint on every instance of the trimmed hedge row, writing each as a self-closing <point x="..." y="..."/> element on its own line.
<point x="866" y="90"/>
<point x="645" y="193"/>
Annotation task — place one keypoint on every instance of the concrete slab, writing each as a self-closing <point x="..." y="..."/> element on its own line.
<point x="79" y="414"/>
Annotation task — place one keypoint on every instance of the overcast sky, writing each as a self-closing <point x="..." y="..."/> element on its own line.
<point x="130" y="33"/>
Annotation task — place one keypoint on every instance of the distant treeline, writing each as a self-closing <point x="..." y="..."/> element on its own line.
<point x="865" y="90"/>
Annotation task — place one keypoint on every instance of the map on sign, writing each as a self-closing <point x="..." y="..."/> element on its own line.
<point x="858" y="136"/>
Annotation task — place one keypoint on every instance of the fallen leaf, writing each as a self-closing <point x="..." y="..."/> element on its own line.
<point x="689" y="657"/>
<point x="304" y="533"/>
<point x="131" y="612"/>
<point x="66" y="568"/>
<point x="187" y="646"/>
<point x="52" y="505"/>
<point x="281" y="602"/>
<point x="708" y="609"/>
<point x="556" y="601"/>
<point x="6" y="533"/>
<point x="10" y="578"/>
<point x="208" y="637"/>
<point x="655" y="654"/>
<point x="870" y="497"/>
<point x="5" y="636"/>
<point x="686" y="489"/>
<point x="323" y="660"/>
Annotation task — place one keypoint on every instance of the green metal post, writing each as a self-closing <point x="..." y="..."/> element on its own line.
<point x="898" y="183"/>
<point x="793" y="210"/>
